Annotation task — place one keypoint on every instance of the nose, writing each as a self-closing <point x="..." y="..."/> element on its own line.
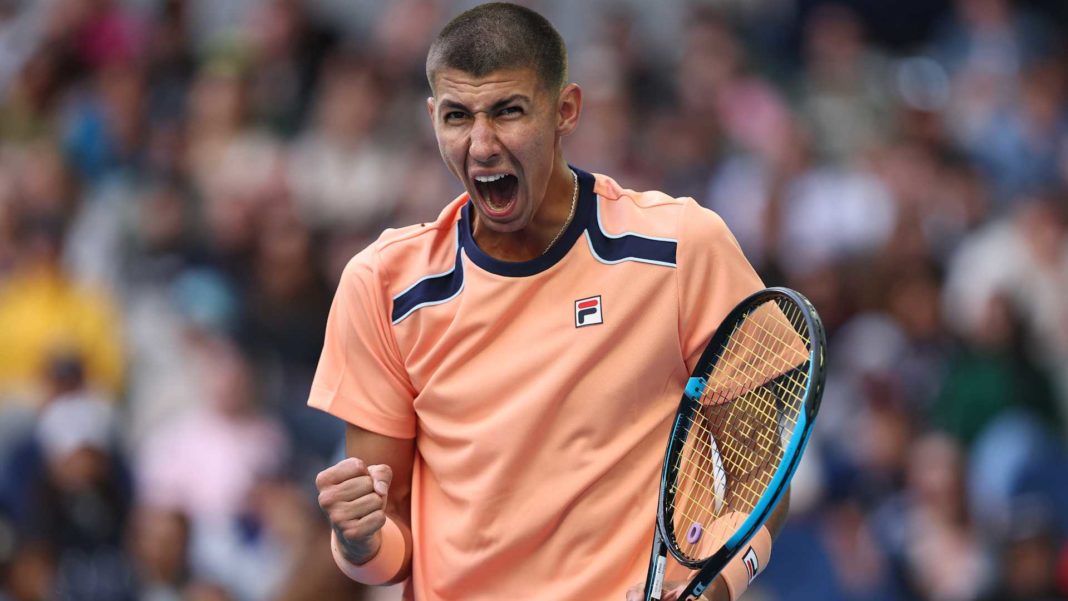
<point x="485" y="147"/>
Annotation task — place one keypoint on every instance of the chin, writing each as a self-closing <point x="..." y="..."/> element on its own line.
<point x="503" y="227"/>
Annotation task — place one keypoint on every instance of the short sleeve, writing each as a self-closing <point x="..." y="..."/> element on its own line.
<point x="361" y="377"/>
<point x="714" y="276"/>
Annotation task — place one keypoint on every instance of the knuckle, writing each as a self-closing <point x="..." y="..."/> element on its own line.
<point x="361" y="528"/>
<point x="338" y="517"/>
<point x="329" y="497"/>
<point x="365" y="506"/>
<point x="358" y="531"/>
<point x="363" y="485"/>
<point x="375" y="520"/>
<point x="370" y="503"/>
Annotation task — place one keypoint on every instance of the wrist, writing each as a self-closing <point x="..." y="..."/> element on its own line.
<point x="719" y="590"/>
<point x="384" y="565"/>
<point x="748" y="564"/>
<point x="360" y="550"/>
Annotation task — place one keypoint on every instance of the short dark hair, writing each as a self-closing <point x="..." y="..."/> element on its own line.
<point x="497" y="36"/>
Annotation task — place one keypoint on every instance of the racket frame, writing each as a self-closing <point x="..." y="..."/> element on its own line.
<point x="712" y="566"/>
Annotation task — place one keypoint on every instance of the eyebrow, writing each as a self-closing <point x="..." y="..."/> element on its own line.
<point x="452" y="104"/>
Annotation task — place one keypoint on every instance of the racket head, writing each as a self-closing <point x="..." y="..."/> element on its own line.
<point x="741" y="428"/>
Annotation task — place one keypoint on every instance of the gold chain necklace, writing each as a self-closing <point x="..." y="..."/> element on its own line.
<point x="570" y="216"/>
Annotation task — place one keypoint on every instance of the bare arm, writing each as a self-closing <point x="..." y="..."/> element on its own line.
<point x="718" y="591"/>
<point x="359" y="492"/>
<point x="314" y="575"/>
<point x="777" y="519"/>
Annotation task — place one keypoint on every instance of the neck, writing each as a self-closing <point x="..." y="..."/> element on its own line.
<point x="550" y="220"/>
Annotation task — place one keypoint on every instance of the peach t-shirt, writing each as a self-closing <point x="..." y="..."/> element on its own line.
<point x="539" y="393"/>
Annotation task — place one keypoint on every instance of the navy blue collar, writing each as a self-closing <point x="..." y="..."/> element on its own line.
<point x="583" y="213"/>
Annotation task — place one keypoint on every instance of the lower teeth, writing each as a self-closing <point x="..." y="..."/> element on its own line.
<point x="499" y="193"/>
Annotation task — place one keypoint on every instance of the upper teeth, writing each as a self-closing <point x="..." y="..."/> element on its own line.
<point x="489" y="178"/>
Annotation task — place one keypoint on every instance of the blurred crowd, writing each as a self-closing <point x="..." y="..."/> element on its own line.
<point x="182" y="181"/>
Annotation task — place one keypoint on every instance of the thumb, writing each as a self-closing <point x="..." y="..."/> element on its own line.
<point x="381" y="476"/>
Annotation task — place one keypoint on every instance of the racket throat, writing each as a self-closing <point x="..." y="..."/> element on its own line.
<point x="695" y="387"/>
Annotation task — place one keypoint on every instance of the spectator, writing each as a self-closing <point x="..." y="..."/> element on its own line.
<point x="42" y="312"/>
<point x="76" y="505"/>
<point x="342" y="175"/>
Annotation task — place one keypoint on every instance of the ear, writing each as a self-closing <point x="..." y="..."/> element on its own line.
<point x="569" y="108"/>
<point x="430" y="108"/>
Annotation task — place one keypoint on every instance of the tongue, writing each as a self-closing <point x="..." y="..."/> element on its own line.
<point x="501" y="192"/>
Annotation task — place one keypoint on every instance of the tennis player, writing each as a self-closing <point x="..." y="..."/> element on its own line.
<point x="509" y="371"/>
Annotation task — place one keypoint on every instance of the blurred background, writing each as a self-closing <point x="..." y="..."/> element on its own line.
<point x="181" y="183"/>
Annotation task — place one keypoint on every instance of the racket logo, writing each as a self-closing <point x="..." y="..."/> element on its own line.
<point x="588" y="312"/>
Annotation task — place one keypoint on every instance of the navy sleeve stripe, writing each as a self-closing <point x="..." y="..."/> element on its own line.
<point x="429" y="291"/>
<point x="630" y="247"/>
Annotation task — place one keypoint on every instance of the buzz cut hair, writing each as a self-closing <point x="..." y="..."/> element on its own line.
<point x="496" y="36"/>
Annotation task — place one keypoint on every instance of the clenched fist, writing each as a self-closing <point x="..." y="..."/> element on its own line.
<point x="353" y="495"/>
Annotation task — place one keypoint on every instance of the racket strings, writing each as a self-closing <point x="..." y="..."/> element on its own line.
<point x="738" y="433"/>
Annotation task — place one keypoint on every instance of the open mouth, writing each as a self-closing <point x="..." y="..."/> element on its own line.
<point x="498" y="192"/>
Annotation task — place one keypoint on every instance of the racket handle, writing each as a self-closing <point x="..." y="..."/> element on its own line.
<point x="654" y="580"/>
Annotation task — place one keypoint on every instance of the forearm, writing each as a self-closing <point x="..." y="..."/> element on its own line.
<point x="367" y="498"/>
<point x="314" y="577"/>
<point x="739" y="573"/>
<point x="777" y="519"/>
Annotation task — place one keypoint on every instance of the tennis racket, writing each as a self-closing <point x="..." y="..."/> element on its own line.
<point x="739" y="433"/>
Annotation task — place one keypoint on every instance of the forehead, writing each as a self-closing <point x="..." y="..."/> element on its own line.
<point x="461" y="86"/>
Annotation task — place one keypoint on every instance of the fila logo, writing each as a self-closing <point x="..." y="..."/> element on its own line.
<point x="588" y="311"/>
<point x="752" y="564"/>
